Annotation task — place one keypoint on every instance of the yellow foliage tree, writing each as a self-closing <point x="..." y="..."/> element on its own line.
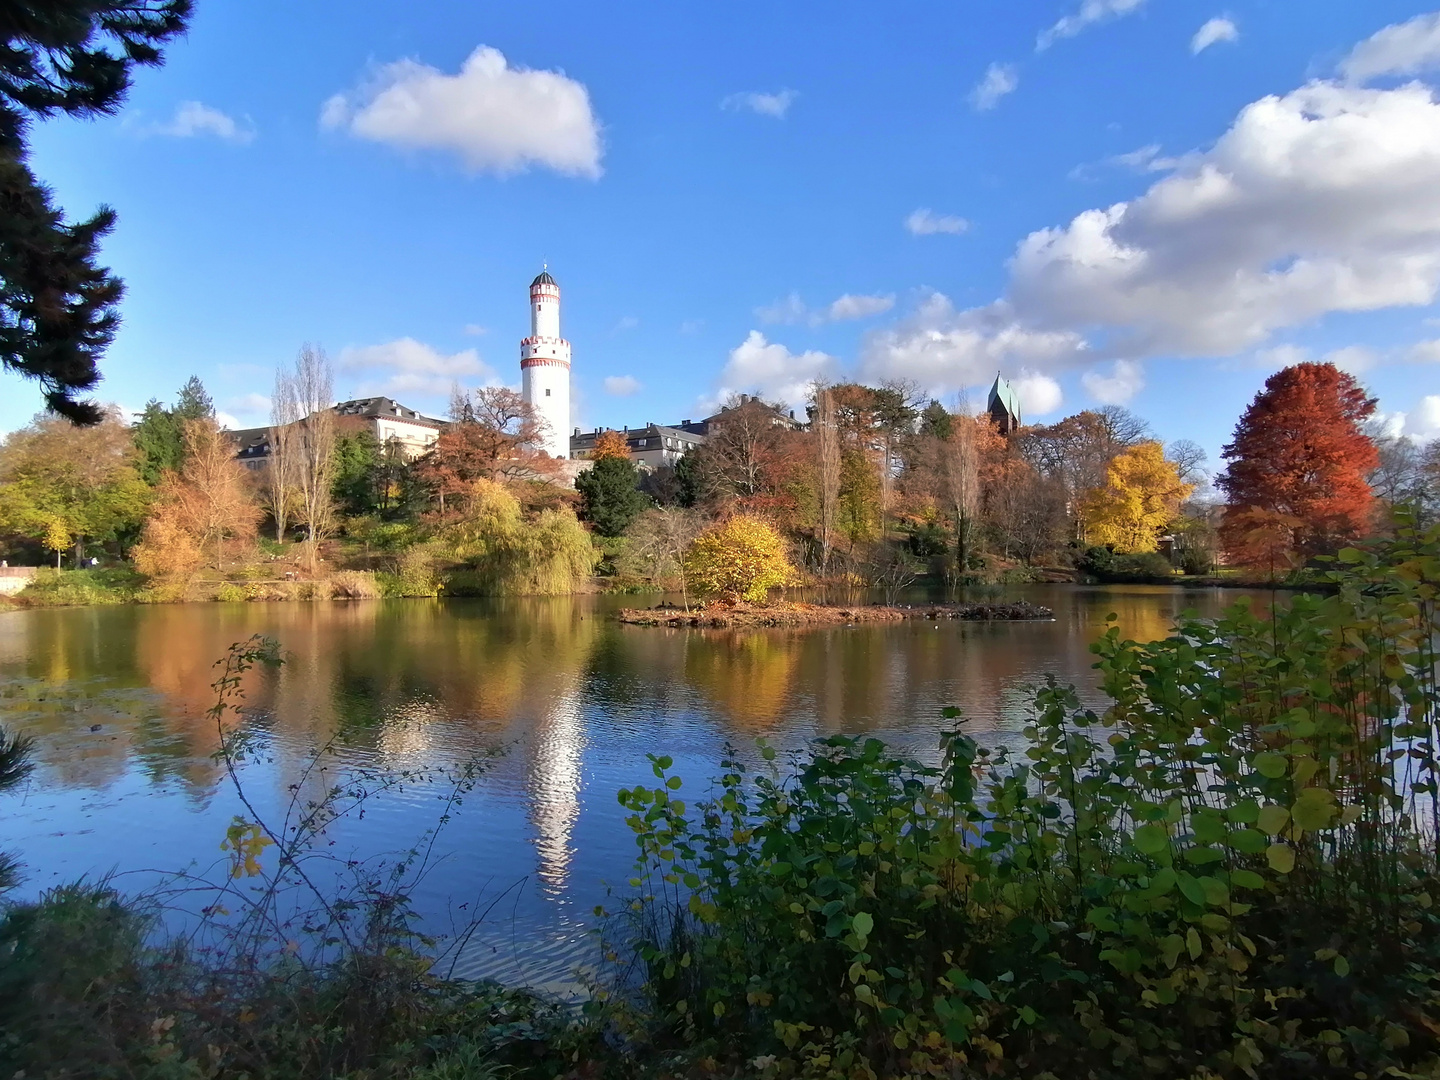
<point x="57" y="538"/>
<point x="1141" y="496"/>
<point x="742" y="558"/>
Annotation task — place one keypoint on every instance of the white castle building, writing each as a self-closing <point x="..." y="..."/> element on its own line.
<point x="545" y="367"/>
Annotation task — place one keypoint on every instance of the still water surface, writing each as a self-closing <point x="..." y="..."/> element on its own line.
<point x="116" y="699"/>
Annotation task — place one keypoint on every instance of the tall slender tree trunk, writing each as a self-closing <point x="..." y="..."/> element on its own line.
<point x="829" y="473"/>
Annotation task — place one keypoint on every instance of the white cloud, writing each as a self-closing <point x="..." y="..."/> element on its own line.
<point x="850" y="306"/>
<point x="790" y="310"/>
<point x="1406" y="48"/>
<point x="622" y="385"/>
<point x="775" y="105"/>
<point x="1126" y="379"/>
<point x="1425" y="352"/>
<point x="410" y="366"/>
<point x="1091" y="12"/>
<point x="1145" y="159"/>
<point x="947" y="350"/>
<point x="1039" y="394"/>
<point x="1325" y="199"/>
<point x="192" y="119"/>
<point x="627" y="322"/>
<point x="475" y="330"/>
<point x="1212" y="33"/>
<point x="250" y="403"/>
<point x="925" y="222"/>
<point x="692" y="326"/>
<point x="495" y="117"/>
<point x="771" y="370"/>
<point x="794" y="310"/>
<point x="998" y="80"/>
<point x="1422" y="422"/>
<point x="230" y="423"/>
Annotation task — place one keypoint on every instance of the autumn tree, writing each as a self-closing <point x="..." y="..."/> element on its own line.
<point x="658" y="540"/>
<point x="207" y="502"/>
<point x="972" y="442"/>
<point x="827" y="435"/>
<point x="1300" y="454"/>
<point x="313" y="437"/>
<point x="497" y="437"/>
<point x="84" y="481"/>
<point x="741" y="558"/>
<point x="743" y="449"/>
<point x="1140" y="498"/>
<point x="1077" y="451"/>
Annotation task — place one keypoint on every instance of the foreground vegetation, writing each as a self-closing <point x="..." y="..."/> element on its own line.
<point x="1227" y="872"/>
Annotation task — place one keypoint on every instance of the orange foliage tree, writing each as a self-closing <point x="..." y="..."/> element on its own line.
<point x="611" y="444"/>
<point x="1299" y="456"/>
<point x="208" y="501"/>
<point x="496" y="436"/>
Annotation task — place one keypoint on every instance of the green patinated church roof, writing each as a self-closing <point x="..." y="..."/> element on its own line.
<point x="1004" y="393"/>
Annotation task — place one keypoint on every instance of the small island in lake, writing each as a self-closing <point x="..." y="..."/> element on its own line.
<point x="785" y="613"/>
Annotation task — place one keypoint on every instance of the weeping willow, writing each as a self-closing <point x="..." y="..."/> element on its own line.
<point x="505" y="554"/>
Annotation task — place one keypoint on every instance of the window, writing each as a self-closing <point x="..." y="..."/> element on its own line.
<point x="547" y="393"/>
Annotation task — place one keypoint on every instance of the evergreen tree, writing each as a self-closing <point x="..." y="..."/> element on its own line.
<point x="611" y="496"/>
<point x="158" y="437"/>
<point x="689" y="476"/>
<point x="357" y="468"/>
<point x="935" y="421"/>
<point x="58" y="306"/>
<point x="194" y="403"/>
<point x="160" y="432"/>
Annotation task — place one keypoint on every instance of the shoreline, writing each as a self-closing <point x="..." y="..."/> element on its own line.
<point x="787" y="614"/>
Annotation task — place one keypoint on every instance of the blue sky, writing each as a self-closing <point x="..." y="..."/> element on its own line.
<point x="1092" y="196"/>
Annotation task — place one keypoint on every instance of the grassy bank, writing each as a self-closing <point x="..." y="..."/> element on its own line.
<point x="1227" y="872"/>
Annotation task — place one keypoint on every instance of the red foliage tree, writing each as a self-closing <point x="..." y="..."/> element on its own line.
<point x="1300" y="455"/>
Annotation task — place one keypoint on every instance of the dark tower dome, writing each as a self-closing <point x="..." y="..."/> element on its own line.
<point x="543" y="279"/>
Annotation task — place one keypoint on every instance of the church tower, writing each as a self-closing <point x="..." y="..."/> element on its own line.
<point x="545" y="367"/>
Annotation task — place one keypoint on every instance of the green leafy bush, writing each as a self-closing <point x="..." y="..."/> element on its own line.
<point x="1228" y="872"/>
<point x="1109" y="566"/>
<point x="230" y="593"/>
<point x="108" y="585"/>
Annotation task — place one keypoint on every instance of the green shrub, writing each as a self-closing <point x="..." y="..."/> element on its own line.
<point x="1229" y="872"/>
<point x="1109" y="566"/>
<point x="107" y="585"/>
<point x="230" y="593"/>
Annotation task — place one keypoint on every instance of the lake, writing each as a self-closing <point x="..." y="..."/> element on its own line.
<point x="563" y="704"/>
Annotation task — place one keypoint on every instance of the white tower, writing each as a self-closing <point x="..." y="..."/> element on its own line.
<point x="545" y="367"/>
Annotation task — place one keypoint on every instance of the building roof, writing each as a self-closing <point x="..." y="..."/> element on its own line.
<point x="543" y="279"/>
<point x="387" y="407"/>
<point x="1003" y="393"/>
